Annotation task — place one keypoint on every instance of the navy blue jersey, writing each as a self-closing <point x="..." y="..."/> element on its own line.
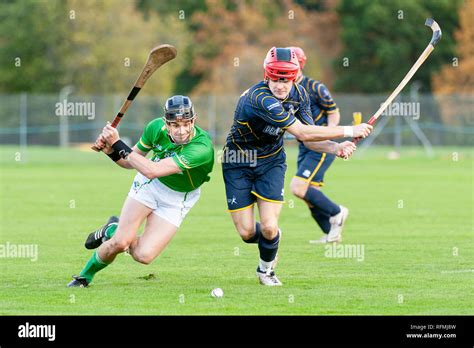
<point x="260" y="120"/>
<point x="322" y="103"/>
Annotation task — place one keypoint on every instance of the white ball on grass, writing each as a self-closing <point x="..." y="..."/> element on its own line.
<point x="217" y="292"/>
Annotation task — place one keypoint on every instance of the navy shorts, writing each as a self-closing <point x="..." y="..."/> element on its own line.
<point x="313" y="165"/>
<point x="243" y="185"/>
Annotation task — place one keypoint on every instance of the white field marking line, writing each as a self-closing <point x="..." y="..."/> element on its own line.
<point x="459" y="271"/>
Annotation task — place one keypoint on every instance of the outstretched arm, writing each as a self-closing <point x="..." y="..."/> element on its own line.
<point x="152" y="169"/>
<point x="318" y="133"/>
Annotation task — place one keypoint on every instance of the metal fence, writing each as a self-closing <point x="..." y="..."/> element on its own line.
<point x="32" y="119"/>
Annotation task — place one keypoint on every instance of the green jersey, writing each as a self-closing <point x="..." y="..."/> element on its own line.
<point x="196" y="158"/>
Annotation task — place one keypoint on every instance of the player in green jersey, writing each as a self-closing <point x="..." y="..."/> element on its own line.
<point x="164" y="190"/>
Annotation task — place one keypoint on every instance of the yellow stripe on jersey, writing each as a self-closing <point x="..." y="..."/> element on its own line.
<point x="144" y="145"/>
<point x="232" y="139"/>
<point x="289" y="125"/>
<point x="191" y="180"/>
<point x="281" y="113"/>
<point x="327" y="105"/>
<point x="274" y="153"/>
<point x="248" y="126"/>
<point x="184" y="164"/>
<point x="302" y="93"/>
<point x="252" y="98"/>
<point x="318" y="117"/>
<point x="242" y="135"/>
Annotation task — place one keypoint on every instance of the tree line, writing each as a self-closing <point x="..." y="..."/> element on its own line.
<point x="357" y="46"/>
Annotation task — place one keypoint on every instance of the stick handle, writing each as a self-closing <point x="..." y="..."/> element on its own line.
<point x="405" y="80"/>
<point x="399" y="88"/>
<point x="123" y="110"/>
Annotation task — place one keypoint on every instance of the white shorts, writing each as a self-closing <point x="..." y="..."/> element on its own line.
<point x="167" y="203"/>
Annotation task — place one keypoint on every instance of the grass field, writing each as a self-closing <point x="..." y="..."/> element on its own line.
<point x="413" y="216"/>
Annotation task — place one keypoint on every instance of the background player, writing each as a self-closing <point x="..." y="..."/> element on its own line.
<point x="253" y="157"/>
<point x="165" y="188"/>
<point x="312" y="165"/>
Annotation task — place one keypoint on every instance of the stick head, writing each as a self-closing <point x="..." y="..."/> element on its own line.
<point x="430" y="22"/>
<point x="162" y="54"/>
<point x="157" y="57"/>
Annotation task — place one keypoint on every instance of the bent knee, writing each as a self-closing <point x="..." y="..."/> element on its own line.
<point x="120" y="245"/>
<point x="246" y="229"/>
<point x="246" y="233"/>
<point x="269" y="229"/>
<point x="299" y="188"/>
<point x="144" y="258"/>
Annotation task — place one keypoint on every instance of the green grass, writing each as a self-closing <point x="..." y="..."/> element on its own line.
<point x="408" y="251"/>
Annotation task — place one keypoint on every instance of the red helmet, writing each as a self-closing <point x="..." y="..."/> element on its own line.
<point x="281" y="63"/>
<point x="301" y="56"/>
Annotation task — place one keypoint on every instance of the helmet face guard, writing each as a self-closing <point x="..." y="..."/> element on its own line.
<point x="179" y="108"/>
<point x="281" y="63"/>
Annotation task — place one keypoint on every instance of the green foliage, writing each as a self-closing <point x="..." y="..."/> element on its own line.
<point x="171" y="7"/>
<point x="383" y="39"/>
<point x="91" y="50"/>
<point x="312" y="5"/>
<point x="33" y="42"/>
<point x="98" y="47"/>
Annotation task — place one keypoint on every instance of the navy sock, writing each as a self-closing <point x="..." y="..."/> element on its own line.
<point x="268" y="248"/>
<point x="255" y="238"/>
<point x="321" y="218"/>
<point x="320" y="201"/>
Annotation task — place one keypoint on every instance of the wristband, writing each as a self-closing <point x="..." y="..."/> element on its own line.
<point x="114" y="156"/>
<point x="122" y="149"/>
<point x="348" y="131"/>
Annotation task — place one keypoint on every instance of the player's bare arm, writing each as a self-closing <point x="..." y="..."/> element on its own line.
<point x="318" y="133"/>
<point x="137" y="160"/>
<point x="152" y="169"/>
<point x="334" y="118"/>
<point x="343" y="150"/>
<point x="108" y="150"/>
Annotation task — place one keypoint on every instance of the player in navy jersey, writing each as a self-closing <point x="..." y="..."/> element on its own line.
<point x="253" y="160"/>
<point x="312" y="165"/>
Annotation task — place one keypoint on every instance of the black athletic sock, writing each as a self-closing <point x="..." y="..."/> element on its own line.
<point x="268" y="248"/>
<point x="321" y="219"/>
<point x="319" y="200"/>
<point x="256" y="237"/>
